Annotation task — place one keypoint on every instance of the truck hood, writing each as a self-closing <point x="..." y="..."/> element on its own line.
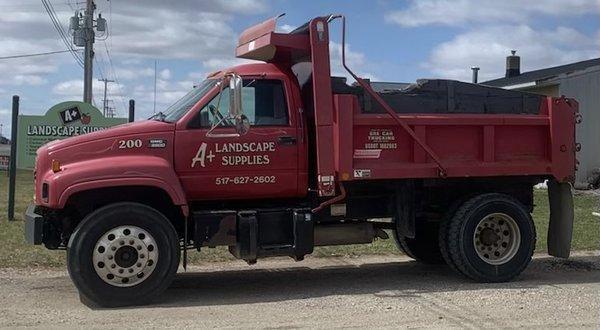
<point x="141" y="127"/>
<point x="123" y="151"/>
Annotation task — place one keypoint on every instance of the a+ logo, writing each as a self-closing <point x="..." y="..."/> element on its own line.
<point x="210" y="156"/>
<point x="201" y="155"/>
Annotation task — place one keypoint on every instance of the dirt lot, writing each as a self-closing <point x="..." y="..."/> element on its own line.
<point x="371" y="291"/>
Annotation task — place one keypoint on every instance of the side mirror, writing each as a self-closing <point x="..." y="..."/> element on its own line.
<point x="235" y="117"/>
<point x="242" y="124"/>
<point x="235" y="96"/>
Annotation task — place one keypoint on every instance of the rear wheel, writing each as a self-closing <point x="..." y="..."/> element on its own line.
<point x="490" y="238"/>
<point x="424" y="247"/>
<point x="123" y="254"/>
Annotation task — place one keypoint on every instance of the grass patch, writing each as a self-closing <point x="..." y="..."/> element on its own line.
<point x="16" y="253"/>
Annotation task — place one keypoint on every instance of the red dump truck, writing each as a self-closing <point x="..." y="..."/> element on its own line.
<point x="276" y="157"/>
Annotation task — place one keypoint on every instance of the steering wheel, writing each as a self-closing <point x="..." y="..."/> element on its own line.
<point x="213" y="110"/>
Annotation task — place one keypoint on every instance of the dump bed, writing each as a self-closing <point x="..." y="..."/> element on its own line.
<point x="375" y="146"/>
<point x="442" y="96"/>
<point x="436" y="128"/>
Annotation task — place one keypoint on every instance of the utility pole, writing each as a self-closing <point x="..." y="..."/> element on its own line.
<point x="84" y="35"/>
<point x="105" y="100"/>
<point x="88" y="71"/>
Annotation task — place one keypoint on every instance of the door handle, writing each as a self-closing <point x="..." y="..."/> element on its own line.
<point x="286" y="140"/>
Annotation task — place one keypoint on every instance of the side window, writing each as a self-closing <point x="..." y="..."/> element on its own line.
<point x="263" y="102"/>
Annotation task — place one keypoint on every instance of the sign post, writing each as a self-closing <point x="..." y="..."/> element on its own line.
<point x="131" y="111"/>
<point x="12" y="175"/>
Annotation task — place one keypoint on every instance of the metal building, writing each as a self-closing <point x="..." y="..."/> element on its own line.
<point x="579" y="80"/>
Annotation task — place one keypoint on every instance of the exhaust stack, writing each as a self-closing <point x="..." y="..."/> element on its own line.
<point x="513" y="65"/>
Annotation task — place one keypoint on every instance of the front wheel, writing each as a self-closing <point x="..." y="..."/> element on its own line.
<point x="490" y="238"/>
<point x="123" y="254"/>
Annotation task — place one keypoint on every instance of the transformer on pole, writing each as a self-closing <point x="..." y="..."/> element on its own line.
<point x="82" y="27"/>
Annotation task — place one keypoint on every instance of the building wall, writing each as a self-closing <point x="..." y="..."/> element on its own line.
<point x="584" y="86"/>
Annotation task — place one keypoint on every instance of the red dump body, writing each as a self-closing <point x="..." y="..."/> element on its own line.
<point x="352" y="145"/>
<point x="372" y="146"/>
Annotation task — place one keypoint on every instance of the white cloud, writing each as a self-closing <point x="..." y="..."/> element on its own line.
<point x="285" y="28"/>
<point x="461" y="12"/>
<point x="27" y="31"/>
<point x="215" y="64"/>
<point x="73" y="89"/>
<point x="165" y="74"/>
<point x="487" y="48"/>
<point x="197" y="75"/>
<point x="28" y="79"/>
<point x="186" y="29"/>
<point x="356" y="61"/>
<point x="132" y="73"/>
<point x="493" y="28"/>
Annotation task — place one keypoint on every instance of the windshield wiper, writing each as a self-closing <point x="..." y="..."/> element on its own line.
<point x="160" y="116"/>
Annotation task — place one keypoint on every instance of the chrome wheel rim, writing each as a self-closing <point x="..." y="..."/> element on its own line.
<point x="497" y="238"/>
<point x="125" y="256"/>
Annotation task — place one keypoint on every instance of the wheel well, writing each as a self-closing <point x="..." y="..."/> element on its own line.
<point x="440" y="195"/>
<point x="82" y="203"/>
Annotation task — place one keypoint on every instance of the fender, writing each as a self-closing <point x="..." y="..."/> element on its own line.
<point x="134" y="170"/>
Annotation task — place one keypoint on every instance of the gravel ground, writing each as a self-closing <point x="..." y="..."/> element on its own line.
<point x="363" y="292"/>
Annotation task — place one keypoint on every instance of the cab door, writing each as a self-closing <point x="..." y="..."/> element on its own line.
<point x="262" y="163"/>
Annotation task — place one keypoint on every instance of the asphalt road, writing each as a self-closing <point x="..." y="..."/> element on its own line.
<point x="364" y="292"/>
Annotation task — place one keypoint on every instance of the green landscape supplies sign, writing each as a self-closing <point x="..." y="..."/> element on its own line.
<point x="63" y="120"/>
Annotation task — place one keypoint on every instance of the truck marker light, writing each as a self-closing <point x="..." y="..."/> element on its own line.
<point x="321" y="30"/>
<point x="55" y="166"/>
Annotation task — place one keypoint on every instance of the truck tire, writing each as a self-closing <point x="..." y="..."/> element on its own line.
<point x="490" y="238"/>
<point x="123" y="254"/>
<point x="424" y="247"/>
<point x="443" y="233"/>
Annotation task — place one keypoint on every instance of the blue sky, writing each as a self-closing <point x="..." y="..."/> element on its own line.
<point x="387" y="40"/>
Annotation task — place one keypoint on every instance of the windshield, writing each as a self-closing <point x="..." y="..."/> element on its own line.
<point x="181" y="107"/>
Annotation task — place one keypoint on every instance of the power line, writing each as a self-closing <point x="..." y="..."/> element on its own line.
<point x="112" y="67"/>
<point x="61" y="32"/>
<point x="35" y="54"/>
<point x="58" y="26"/>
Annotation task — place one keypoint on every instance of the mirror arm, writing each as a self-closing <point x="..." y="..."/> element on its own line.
<point x="222" y="135"/>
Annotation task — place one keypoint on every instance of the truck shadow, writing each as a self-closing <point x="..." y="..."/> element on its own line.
<point x="396" y="279"/>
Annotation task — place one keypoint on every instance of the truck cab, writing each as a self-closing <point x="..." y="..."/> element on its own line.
<point x="214" y="164"/>
<point x="277" y="157"/>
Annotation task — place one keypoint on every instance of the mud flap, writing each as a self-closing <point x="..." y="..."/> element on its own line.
<point x="405" y="211"/>
<point x="560" y="230"/>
